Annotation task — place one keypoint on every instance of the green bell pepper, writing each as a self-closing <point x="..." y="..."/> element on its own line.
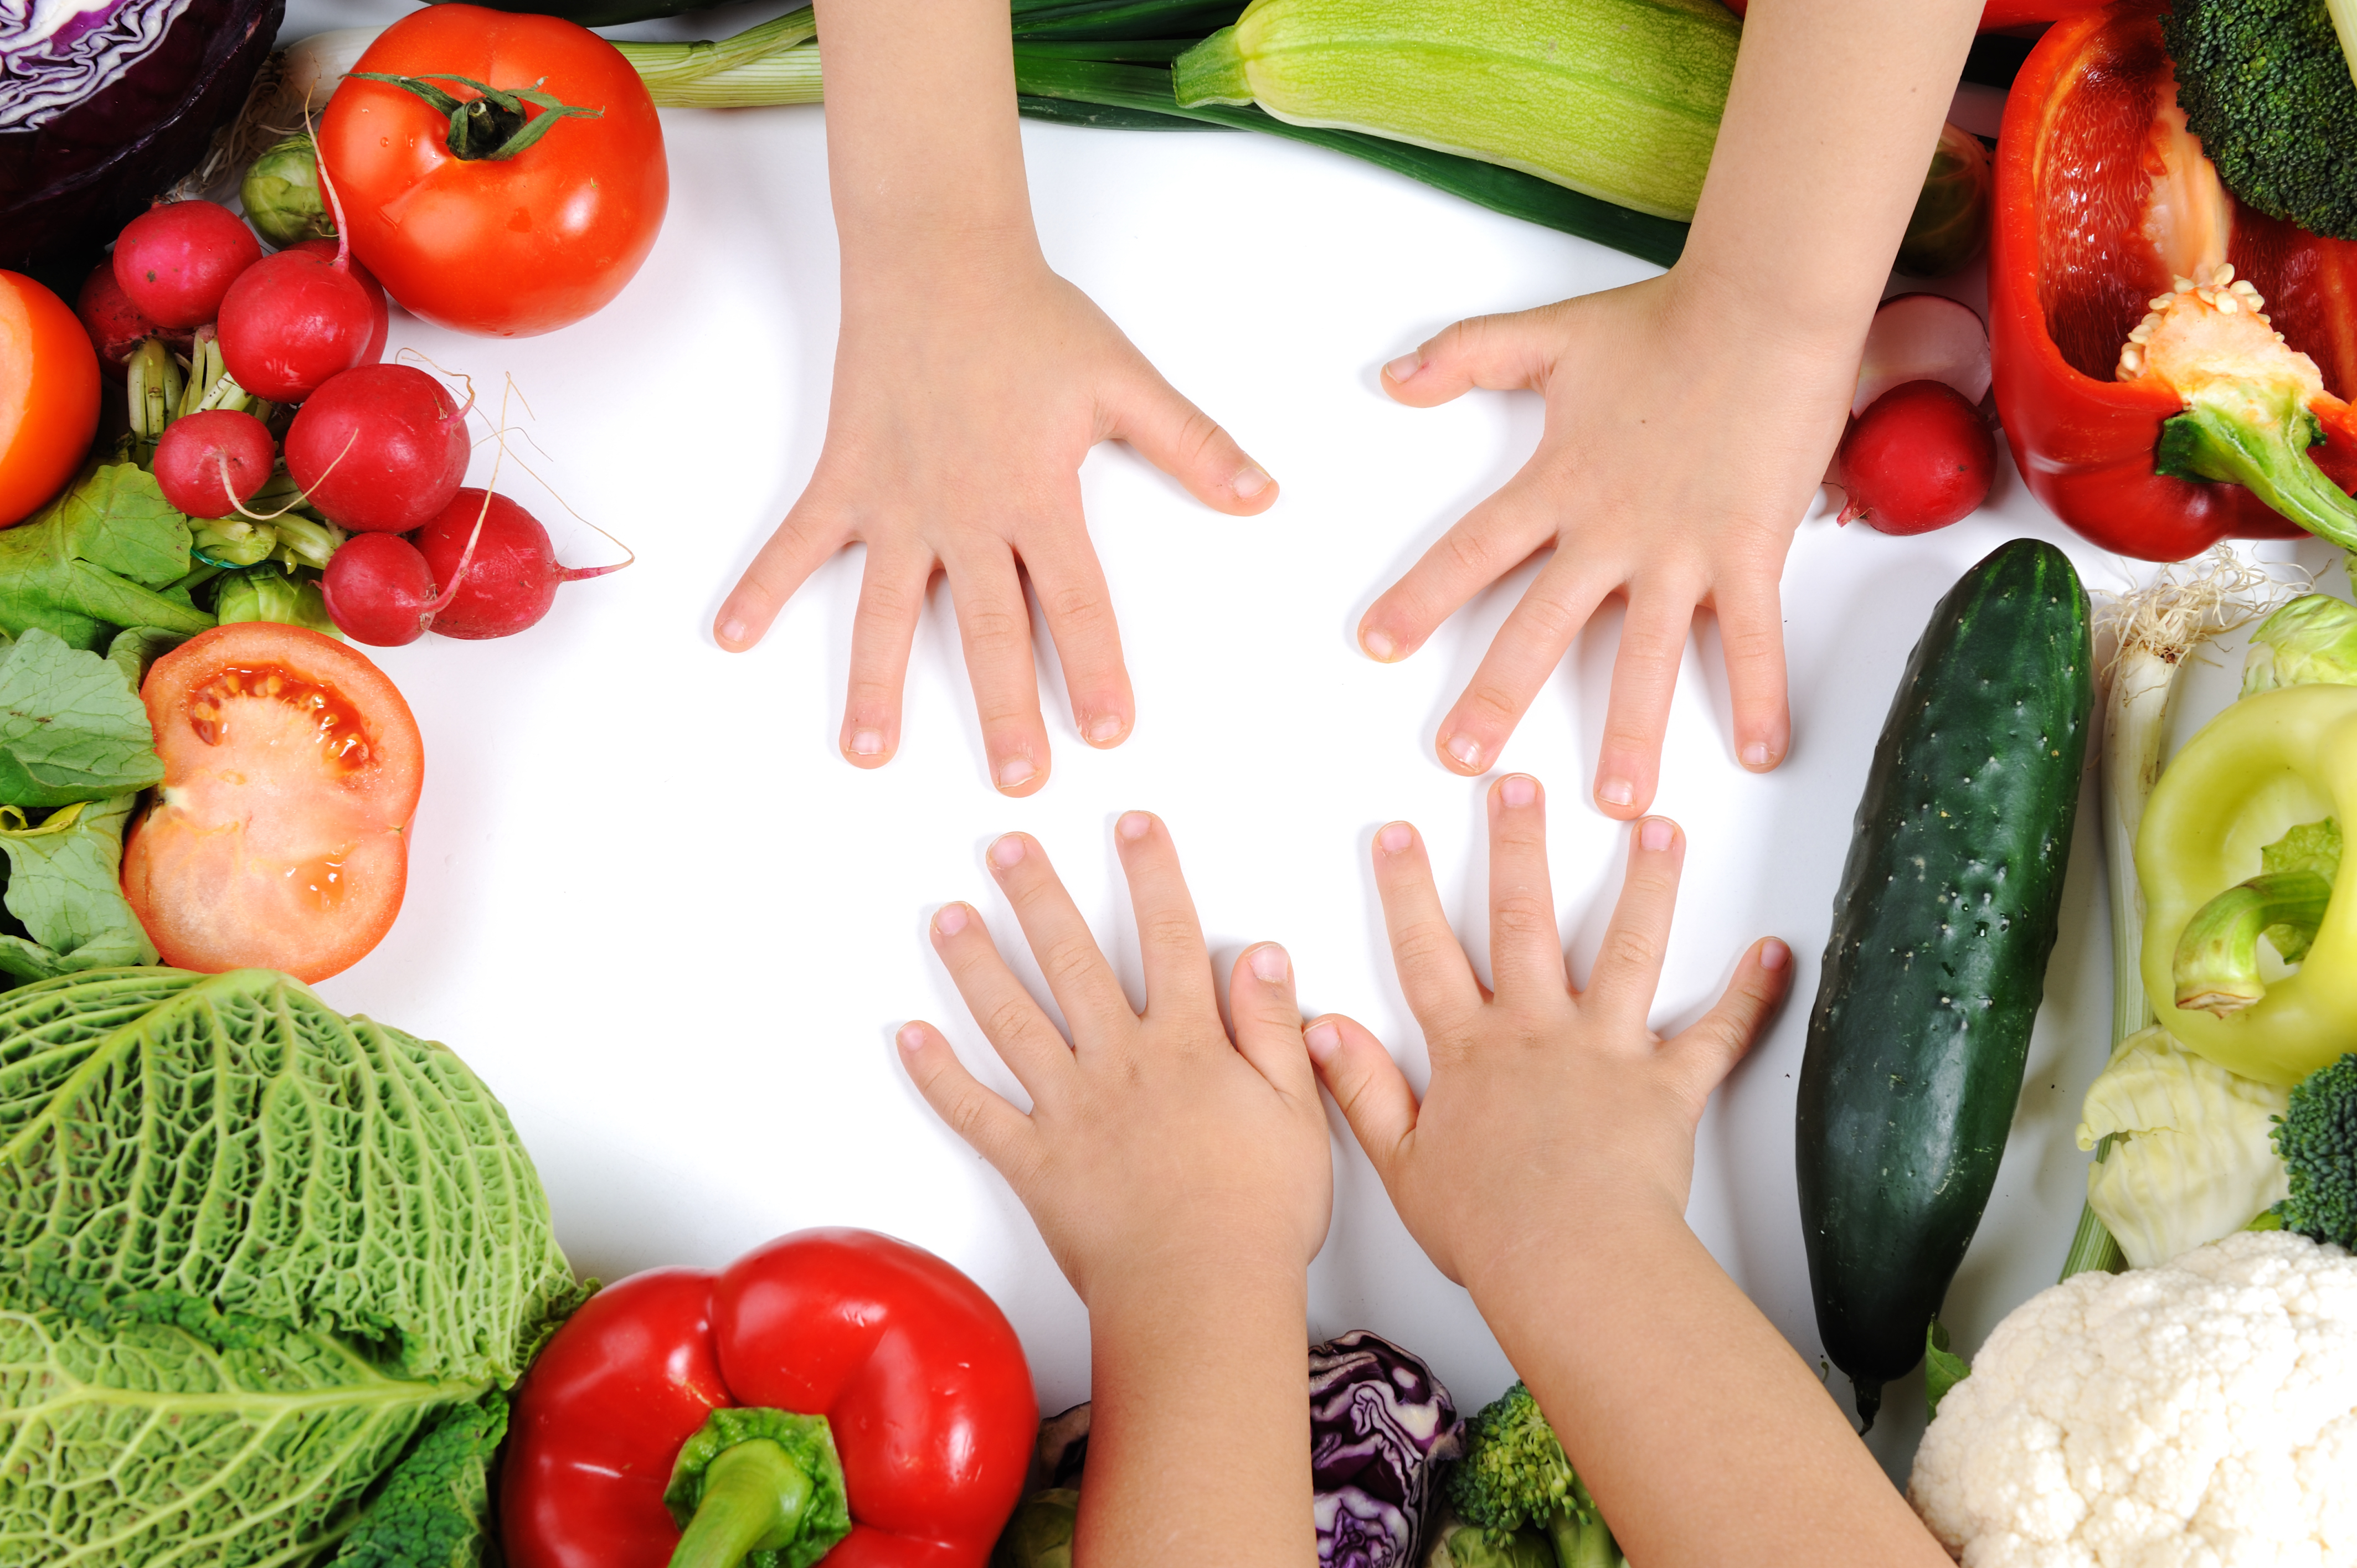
<point x="2235" y="845"/>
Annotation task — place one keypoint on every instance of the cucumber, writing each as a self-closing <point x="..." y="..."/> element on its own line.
<point x="1937" y="961"/>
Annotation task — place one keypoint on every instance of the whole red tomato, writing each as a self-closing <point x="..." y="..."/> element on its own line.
<point x="504" y="246"/>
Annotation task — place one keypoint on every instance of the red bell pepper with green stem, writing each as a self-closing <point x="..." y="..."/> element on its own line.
<point x="2104" y="205"/>
<point x="701" y="1420"/>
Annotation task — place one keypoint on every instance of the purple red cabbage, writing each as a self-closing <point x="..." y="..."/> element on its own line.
<point x="1380" y="1424"/>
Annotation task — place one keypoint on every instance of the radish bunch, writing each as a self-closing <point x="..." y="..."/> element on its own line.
<point x="259" y="399"/>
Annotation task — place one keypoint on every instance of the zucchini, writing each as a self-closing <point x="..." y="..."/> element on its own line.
<point x="1936" y="964"/>
<point x="1617" y="99"/>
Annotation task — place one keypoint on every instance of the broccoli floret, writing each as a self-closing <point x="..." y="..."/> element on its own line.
<point x="2317" y="1137"/>
<point x="2264" y="85"/>
<point x="1515" y="1472"/>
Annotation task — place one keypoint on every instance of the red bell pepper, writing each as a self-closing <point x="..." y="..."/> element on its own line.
<point x="2074" y="264"/>
<point x="919" y="1378"/>
<point x="1999" y="14"/>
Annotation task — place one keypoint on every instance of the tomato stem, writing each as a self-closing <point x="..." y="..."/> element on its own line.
<point x="493" y="125"/>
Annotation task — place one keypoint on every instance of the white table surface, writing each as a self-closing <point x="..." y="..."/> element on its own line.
<point x="674" y="930"/>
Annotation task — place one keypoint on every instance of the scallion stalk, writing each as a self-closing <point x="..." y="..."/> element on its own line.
<point x="664" y="67"/>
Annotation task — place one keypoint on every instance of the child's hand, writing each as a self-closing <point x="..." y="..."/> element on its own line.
<point x="966" y="392"/>
<point x="1152" y="1140"/>
<point x="1685" y="438"/>
<point x="1549" y="1108"/>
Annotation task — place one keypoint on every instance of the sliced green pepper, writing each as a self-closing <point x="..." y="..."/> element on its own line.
<point x="2274" y="763"/>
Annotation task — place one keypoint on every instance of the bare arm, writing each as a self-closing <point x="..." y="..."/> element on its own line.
<point x="1690" y="417"/>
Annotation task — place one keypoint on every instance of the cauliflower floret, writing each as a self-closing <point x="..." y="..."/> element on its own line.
<point x="2202" y="1415"/>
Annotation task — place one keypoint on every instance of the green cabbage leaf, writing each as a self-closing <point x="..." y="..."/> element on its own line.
<point x="265" y="1275"/>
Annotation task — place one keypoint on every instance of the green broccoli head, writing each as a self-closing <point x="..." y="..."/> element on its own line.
<point x="2317" y="1137"/>
<point x="1515" y="1472"/>
<point x="2264" y="85"/>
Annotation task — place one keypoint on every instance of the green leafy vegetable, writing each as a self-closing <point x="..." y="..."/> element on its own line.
<point x="71" y="728"/>
<point x="2310" y="642"/>
<point x="1942" y="1367"/>
<point x="2313" y="848"/>
<point x="268" y="592"/>
<point x="65" y="900"/>
<point x="98" y="558"/>
<point x="253" y="1255"/>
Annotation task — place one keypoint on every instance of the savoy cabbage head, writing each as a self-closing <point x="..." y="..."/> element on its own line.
<point x="265" y="1272"/>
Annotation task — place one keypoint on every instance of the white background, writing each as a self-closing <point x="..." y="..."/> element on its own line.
<point x="674" y="930"/>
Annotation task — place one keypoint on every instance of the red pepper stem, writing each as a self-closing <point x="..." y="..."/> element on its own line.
<point x="752" y="1492"/>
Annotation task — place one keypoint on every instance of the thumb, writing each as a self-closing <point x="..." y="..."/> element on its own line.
<point x="1498" y="353"/>
<point x="1188" y="444"/>
<point x="1366" y="1084"/>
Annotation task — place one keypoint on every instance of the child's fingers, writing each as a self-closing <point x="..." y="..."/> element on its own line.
<point x="1502" y="353"/>
<point x="1078" y="607"/>
<point x="1268" y="1019"/>
<point x="1628" y="966"/>
<point x="1525" y="949"/>
<point x="891" y="594"/>
<point x="1709" y="1048"/>
<point x="1644" y="678"/>
<point x="1083" y="984"/>
<point x="1366" y="1084"/>
<point x="1440" y="984"/>
<point x="800" y="546"/>
<point x="1751" y="635"/>
<point x="1026" y="1041"/>
<point x="1486" y="543"/>
<point x="1521" y="657"/>
<point x="996" y="1130"/>
<point x="1169" y="938"/>
<point x="1187" y="443"/>
<point x="994" y="625"/>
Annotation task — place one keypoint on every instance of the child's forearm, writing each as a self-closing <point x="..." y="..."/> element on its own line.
<point x="1199" y="1428"/>
<point x="924" y="151"/>
<point x="1829" y="128"/>
<point x="1691" y="1420"/>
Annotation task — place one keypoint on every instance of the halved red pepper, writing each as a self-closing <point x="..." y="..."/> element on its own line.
<point x="2072" y="267"/>
<point x="919" y="1378"/>
<point x="1999" y="14"/>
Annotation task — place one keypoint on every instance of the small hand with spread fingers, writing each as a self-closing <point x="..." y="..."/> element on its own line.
<point x="1181" y="1178"/>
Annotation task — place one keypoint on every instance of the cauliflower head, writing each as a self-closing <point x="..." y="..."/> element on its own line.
<point x="2202" y="1415"/>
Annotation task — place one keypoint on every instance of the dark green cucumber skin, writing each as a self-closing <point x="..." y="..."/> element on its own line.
<point x="1932" y="975"/>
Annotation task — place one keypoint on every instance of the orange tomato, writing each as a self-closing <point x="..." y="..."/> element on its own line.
<point x="280" y="838"/>
<point x="48" y="396"/>
<point x="508" y="247"/>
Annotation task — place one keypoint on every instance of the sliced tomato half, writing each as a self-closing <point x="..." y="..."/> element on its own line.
<point x="280" y="836"/>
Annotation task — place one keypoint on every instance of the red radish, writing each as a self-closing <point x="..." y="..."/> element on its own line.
<point x="116" y="326"/>
<point x="513" y="576"/>
<point x="208" y="464"/>
<point x="378" y="590"/>
<point x="1922" y="337"/>
<point x="292" y="321"/>
<point x="1919" y="459"/>
<point x="176" y="259"/>
<point x="381" y="449"/>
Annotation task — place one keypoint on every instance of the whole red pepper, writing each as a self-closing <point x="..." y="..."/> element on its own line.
<point x="2071" y="269"/>
<point x="917" y="1373"/>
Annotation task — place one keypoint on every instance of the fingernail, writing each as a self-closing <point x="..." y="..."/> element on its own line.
<point x="732" y="632"/>
<point x="1269" y="963"/>
<point x="1616" y="791"/>
<point x="1466" y="750"/>
<point x="1104" y="731"/>
<point x="867" y="743"/>
<point x="1323" y="1040"/>
<point x="1517" y="790"/>
<point x="1404" y="366"/>
<point x="1755" y="756"/>
<point x="1006" y="852"/>
<point x="1014" y="772"/>
<point x="1655" y="832"/>
<point x="1250" y="481"/>
<point x="1377" y="645"/>
<point x="1394" y="837"/>
<point x="1133" y="825"/>
<point x="912" y="1039"/>
<point x="1774" y="955"/>
<point x="950" y="920"/>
